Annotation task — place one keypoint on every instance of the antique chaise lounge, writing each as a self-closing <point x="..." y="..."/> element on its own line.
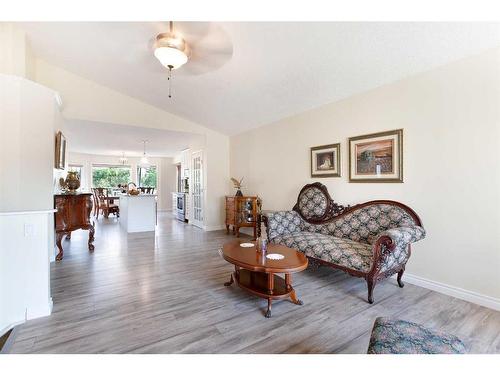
<point x="370" y="240"/>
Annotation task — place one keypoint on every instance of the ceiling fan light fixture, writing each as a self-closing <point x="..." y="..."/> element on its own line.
<point x="171" y="51"/>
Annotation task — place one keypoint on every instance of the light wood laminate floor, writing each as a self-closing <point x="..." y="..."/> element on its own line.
<point x="141" y="293"/>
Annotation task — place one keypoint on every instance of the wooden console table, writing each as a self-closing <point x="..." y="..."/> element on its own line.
<point x="72" y="213"/>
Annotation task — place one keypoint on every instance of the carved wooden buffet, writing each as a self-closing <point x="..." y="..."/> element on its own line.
<point x="72" y="213"/>
<point x="242" y="212"/>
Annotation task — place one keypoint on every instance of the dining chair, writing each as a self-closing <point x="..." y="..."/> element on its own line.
<point x="105" y="204"/>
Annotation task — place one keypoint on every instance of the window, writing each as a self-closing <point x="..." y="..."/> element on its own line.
<point x="109" y="175"/>
<point x="146" y="176"/>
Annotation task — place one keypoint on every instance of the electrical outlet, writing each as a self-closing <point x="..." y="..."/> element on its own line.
<point x="29" y="230"/>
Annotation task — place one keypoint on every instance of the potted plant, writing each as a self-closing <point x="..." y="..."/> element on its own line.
<point x="237" y="185"/>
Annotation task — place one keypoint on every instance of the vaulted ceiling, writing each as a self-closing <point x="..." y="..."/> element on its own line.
<point x="275" y="69"/>
<point x="113" y="139"/>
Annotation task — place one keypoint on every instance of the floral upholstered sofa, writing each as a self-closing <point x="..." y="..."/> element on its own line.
<point x="370" y="240"/>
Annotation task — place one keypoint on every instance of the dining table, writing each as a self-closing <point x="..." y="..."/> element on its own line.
<point x="111" y="198"/>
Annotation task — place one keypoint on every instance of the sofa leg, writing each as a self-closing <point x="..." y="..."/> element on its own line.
<point x="371" y="285"/>
<point x="400" y="275"/>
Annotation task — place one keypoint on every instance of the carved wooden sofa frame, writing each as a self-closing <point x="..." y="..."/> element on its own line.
<point x="383" y="246"/>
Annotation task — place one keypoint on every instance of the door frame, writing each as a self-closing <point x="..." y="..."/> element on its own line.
<point x="199" y="224"/>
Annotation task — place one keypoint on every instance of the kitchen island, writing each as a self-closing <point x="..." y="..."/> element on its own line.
<point x="138" y="212"/>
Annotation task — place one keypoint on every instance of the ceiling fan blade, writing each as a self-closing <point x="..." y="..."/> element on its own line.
<point x="205" y="64"/>
<point x="142" y="53"/>
<point x="210" y="52"/>
<point x="192" y="31"/>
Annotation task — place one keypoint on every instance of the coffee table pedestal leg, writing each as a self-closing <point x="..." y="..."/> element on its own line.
<point x="230" y="281"/>
<point x="270" y="288"/>
<point x="270" y="283"/>
<point x="268" y="312"/>
<point x="265" y="285"/>
<point x="293" y="296"/>
<point x="235" y="273"/>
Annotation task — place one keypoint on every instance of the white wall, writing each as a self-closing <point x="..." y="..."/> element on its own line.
<point x="28" y="114"/>
<point x="16" y="57"/>
<point x="24" y="267"/>
<point x="166" y="178"/>
<point x="87" y="100"/>
<point x="451" y="122"/>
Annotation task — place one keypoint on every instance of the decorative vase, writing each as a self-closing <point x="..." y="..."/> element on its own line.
<point x="71" y="183"/>
<point x="238" y="193"/>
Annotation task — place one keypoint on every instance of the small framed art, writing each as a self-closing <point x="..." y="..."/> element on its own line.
<point x="325" y="161"/>
<point x="376" y="157"/>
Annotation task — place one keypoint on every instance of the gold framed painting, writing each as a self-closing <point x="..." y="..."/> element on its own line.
<point x="376" y="157"/>
<point x="325" y="161"/>
<point x="60" y="152"/>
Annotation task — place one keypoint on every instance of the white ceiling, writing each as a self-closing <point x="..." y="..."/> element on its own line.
<point x="109" y="139"/>
<point x="276" y="69"/>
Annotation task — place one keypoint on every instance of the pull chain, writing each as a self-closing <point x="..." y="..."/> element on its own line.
<point x="170" y="81"/>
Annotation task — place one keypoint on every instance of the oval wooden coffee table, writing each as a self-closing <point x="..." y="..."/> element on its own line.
<point x="256" y="274"/>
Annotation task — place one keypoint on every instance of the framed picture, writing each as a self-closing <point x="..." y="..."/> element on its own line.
<point x="376" y="157"/>
<point x="325" y="161"/>
<point x="60" y="160"/>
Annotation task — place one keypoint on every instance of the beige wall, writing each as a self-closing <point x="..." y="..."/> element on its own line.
<point x="168" y="183"/>
<point x="451" y="122"/>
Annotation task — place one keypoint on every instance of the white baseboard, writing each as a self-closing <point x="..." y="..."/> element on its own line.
<point x="466" y="295"/>
<point x="31" y="314"/>
<point x="214" y="227"/>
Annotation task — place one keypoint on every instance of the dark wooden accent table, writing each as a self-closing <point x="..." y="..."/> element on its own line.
<point x="256" y="274"/>
<point x="73" y="212"/>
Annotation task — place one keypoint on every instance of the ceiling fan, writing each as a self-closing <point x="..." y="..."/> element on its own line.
<point x="198" y="47"/>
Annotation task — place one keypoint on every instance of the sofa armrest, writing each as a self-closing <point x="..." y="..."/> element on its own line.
<point x="282" y="222"/>
<point x="391" y="249"/>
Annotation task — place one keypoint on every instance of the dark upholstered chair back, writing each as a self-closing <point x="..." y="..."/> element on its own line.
<point x="312" y="203"/>
<point x="315" y="205"/>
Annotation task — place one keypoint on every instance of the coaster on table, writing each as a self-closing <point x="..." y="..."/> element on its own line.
<point x="247" y="244"/>
<point x="275" y="256"/>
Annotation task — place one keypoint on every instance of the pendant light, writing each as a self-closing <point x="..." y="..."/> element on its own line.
<point x="144" y="160"/>
<point x="123" y="159"/>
